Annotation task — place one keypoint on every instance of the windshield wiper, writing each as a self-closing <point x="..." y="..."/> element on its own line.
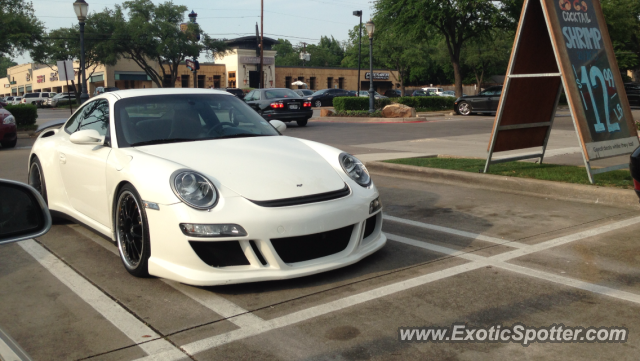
<point x="243" y="135"/>
<point x="162" y="141"/>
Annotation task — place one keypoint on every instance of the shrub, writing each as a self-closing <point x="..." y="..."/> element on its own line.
<point x="25" y="114"/>
<point x="428" y="103"/>
<point x="358" y="103"/>
<point x="357" y="113"/>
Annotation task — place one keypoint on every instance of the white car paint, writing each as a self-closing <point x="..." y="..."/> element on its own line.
<point x="82" y="181"/>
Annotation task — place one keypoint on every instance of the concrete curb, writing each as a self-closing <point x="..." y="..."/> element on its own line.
<point x="623" y="198"/>
<point x="23" y="135"/>
<point x="367" y="120"/>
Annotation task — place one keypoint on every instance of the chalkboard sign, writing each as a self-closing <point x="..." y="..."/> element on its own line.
<point x="592" y="78"/>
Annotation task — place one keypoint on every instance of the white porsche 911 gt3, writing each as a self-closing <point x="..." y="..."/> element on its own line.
<point x="193" y="185"/>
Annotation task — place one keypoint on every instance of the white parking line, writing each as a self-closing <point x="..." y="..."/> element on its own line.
<point x="456" y="232"/>
<point x="10" y="350"/>
<point x="137" y="331"/>
<point x="476" y="262"/>
<point x="227" y="309"/>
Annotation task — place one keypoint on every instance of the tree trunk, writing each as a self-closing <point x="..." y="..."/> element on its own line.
<point x="457" y="75"/>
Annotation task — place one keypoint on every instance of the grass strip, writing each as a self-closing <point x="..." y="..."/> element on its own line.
<point x="550" y="172"/>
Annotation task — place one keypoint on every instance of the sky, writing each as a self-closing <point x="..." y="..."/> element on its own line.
<point x="295" y="20"/>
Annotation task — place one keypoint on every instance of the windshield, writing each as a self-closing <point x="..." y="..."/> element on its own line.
<point x="320" y="92"/>
<point x="175" y="118"/>
<point x="280" y="93"/>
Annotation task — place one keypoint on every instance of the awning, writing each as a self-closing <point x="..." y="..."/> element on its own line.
<point x="28" y="88"/>
<point x="96" y="78"/>
<point x="132" y="76"/>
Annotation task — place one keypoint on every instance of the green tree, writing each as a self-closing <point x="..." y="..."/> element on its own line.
<point x="623" y="23"/>
<point x="456" y="20"/>
<point x="19" y="27"/>
<point x="488" y="55"/>
<point x="328" y="52"/>
<point x="286" y="54"/>
<point x="5" y="63"/>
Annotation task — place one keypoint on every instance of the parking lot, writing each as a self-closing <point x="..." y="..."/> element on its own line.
<point x="454" y="255"/>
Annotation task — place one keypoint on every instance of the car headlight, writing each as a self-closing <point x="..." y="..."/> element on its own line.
<point x="194" y="189"/>
<point x="9" y="120"/>
<point x="355" y="169"/>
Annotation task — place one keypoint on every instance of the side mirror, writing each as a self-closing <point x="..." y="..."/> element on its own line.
<point x="280" y="126"/>
<point x="23" y="212"/>
<point x="87" y="136"/>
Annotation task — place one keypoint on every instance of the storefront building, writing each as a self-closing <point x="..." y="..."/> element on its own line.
<point x="237" y="69"/>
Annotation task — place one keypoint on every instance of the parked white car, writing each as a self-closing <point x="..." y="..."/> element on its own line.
<point x="53" y="101"/>
<point x="434" y="90"/>
<point x="376" y="95"/>
<point x="16" y="100"/>
<point x="195" y="186"/>
<point x="38" y="99"/>
<point x="448" y="93"/>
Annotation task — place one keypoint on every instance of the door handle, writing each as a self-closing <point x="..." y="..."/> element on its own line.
<point x="63" y="159"/>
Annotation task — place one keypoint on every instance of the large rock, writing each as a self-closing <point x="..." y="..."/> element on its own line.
<point x="325" y="112"/>
<point x="398" y="111"/>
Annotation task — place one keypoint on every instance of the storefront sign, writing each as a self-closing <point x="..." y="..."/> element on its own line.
<point x="28" y="77"/>
<point x="192" y="65"/>
<point x="40" y="79"/>
<point x="7" y="85"/>
<point x="256" y="60"/>
<point x="53" y="77"/>
<point x="377" y="76"/>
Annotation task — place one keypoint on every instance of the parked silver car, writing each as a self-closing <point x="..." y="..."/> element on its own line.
<point x="376" y="95"/>
<point x="52" y="102"/>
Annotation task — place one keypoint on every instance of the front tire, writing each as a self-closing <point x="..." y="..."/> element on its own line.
<point x="9" y="143"/>
<point x="132" y="231"/>
<point x="36" y="178"/>
<point x="464" y="108"/>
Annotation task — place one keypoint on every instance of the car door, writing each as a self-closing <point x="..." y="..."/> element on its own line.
<point x="494" y="99"/>
<point x="481" y="101"/>
<point x="83" y="166"/>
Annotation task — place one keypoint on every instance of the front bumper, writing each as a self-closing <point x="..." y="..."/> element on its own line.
<point x="8" y="132"/>
<point x="174" y="258"/>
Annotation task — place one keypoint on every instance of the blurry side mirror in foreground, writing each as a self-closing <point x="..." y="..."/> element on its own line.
<point x="280" y="126"/>
<point x="23" y="212"/>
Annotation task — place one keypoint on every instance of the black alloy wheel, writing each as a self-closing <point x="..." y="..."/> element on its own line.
<point x="131" y="231"/>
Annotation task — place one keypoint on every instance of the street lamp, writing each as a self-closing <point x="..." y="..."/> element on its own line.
<point x="359" y="13"/>
<point x="81" y="8"/>
<point x="370" y="29"/>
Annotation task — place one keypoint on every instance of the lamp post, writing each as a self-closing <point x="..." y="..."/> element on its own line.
<point x="192" y="18"/>
<point x="359" y="13"/>
<point x="81" y="8"/>
<point x="370" y="29"/>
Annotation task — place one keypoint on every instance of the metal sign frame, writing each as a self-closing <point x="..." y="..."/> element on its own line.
<point x="546" y="59"/>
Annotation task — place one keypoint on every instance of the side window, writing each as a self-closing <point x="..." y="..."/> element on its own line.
<point x="498" y="92"/>
<point x="74" y="121"/>
<point x="96" y="116"/>
<point x="249" y="96"/>
<point x="257" y="95"/>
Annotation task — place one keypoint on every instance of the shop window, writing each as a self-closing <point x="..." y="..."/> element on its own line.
<point x="166" y="82"/>
<point x="341" y="83"/>
<point x="232" y="79"/>
<point x="216" y="81"/>
<point x="200" y="81"/>
<point x="184" y="80"/>
<point x="301" y="78"/>
<point x="312" y="83"/>
<point x="287" y="82"/>
<point x="329" y="82"/>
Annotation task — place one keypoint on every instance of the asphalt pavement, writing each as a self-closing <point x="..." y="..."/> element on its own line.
<point x="455" y="255"/>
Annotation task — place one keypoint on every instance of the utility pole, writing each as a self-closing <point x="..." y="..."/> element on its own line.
<point x="261" y="85"/>
<point x="304" y="52"/>
<point x="359" y="13"/>
<point x="192" y="19"/>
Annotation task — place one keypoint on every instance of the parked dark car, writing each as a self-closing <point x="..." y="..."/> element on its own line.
<point x="423" y="93"/>
<point x="325" y="96"/>
<point x="352" y="93"/>
<point x="280" y="104"/>
<point x="8" y="130"/>
<point x="303" y="92"/>
<point x="633" y="93"/>
<point x="393" y="93"/>
<point x="237" y="92"/>
<point x="485" y="102"/>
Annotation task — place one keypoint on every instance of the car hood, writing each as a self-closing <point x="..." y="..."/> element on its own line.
<point x="260" y="168"/>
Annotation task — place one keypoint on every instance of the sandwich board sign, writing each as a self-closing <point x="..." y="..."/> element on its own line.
<point x="563" y="44"/>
